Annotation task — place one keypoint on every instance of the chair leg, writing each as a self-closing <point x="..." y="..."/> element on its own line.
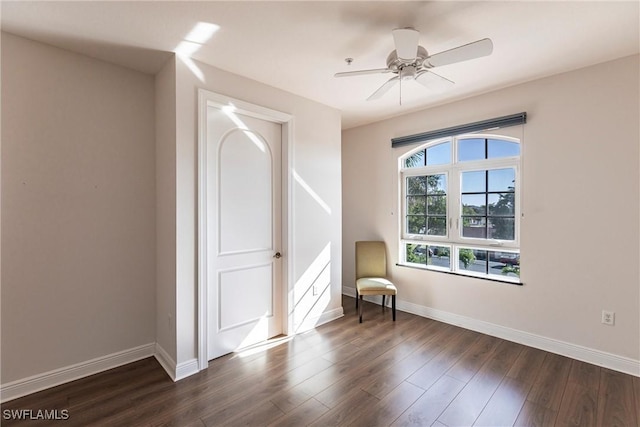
<point x="360" y="309"/>
<point x="393" y="305"/>
<point x="357" y="298"/>
<point x="383" y="297"/>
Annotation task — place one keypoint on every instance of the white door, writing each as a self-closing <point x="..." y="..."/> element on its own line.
<point x="244" y="230"/>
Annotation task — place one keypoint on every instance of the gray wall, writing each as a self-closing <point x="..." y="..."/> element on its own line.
<point x="78" y="208"/>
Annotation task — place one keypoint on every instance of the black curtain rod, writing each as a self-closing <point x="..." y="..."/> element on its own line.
<point x="499" y="122"/>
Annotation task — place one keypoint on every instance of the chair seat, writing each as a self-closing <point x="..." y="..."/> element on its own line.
<point x="375" y="286"/>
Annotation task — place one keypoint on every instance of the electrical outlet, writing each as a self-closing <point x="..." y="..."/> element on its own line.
<point x="608" y="317"/>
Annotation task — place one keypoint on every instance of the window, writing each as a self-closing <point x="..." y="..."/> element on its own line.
<point x="460" y="206"/>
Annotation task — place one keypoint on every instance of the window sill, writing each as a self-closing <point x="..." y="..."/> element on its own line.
<point x="455" y="273"/>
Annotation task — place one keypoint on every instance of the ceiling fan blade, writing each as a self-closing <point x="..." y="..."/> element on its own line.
<point x="432" y="81"/>
<point x="406" y="41"/>
<point x="465" y="52"/>
<point x="384" y="88"/>
<point x="362" y="72"/>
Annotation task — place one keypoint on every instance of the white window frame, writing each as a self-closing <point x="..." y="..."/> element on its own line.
<point x="453" y="172"/>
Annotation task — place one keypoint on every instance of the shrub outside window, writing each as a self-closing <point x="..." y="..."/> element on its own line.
<point x="460" y="206"/>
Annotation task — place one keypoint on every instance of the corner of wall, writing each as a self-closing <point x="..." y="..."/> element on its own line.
<point x="165" y="127"/>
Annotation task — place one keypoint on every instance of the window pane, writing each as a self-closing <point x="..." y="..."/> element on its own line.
<point x="474" y="182"/>
<point x="474" y="204"/>
<point x="416" y="224"/>
<point x="502" y="179"/>
<point x="437" y="205"/>
<point x="498" y="148"/>
<point x="467" y="261"/>
<point x="415" y="160"/>
<point x="416" y="253"/>
<point x="501" y="204"/>
<point x="474" y="227"/>
<point x="439" y="256"/>
<point x="480" y="254"/>
<point x="416" y="185"/>
<point x="436" y="184"/>
<point x="504" y="263"/>
<point x="471" y="149"/>
<point x="416" y="205"/>
<point x="437" y="226"/>
<point x="501" y="228"/>
<point x="439" y="154"/>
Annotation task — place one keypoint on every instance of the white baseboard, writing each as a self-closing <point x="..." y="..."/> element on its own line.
<point x="35" y="383"/>
<point x="585" y="354"/>
<point x="176" y="371"/>
<point x="186" y="369"/>
<point x="330" y="315"/>
<point x="349" y="291"/>
<point x="326" y="317"/>
<point x="166" y="361"/>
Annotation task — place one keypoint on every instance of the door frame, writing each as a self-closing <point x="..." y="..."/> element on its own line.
<point x="207" y="99"/>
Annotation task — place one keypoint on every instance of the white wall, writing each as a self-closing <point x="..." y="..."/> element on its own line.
<point x="315" y="157"/>
<point x="580" y="231"/>
<point x="78" y="209"/>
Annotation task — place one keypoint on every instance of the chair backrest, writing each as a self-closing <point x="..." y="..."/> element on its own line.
<point x="371" y="259"/>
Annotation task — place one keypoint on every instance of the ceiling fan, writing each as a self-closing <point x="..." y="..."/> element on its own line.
<point x="410" y="61"/>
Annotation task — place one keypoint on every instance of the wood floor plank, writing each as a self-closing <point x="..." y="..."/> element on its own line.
<point x="534" y="415"/>
<point x="390" y="376"/>
<point x="302" y="415"/>
<point x="228" y="398"/>
<point x="470" y="402"/>
<point x="359" y="371"/>
<point x="636" y="393"/>
<point x="580" y="400"/>
<point x="257" y="393"/>
<point x="346" y="351"/>
<point x="426" y="410"/>
<point x="528" y="365"/>
<point x="355" y="375"/>
<point x="505" y="405"/>
<point x="289" y="399"/>
<point x="347" y="410"/>
<point x="472" y="359"/>
<point x="388" y="409"/>
<point x="262" y="415"/>
<point x="549" y="386"/>
<point x="428" y="374"/>
<point x="616" y="403"/>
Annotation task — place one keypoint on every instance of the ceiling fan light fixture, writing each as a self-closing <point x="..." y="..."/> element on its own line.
<point x="408" y="72"/>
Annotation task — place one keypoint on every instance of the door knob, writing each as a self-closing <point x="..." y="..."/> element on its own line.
<point x="278" y="255"/>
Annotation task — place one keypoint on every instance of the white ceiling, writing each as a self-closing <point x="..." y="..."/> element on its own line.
<point x="297" y="46"/>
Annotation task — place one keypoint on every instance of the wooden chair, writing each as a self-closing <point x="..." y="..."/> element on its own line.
<point x="371" y="272"/>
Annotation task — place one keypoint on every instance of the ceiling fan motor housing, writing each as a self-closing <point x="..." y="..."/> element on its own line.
<point x="396" y="64"/>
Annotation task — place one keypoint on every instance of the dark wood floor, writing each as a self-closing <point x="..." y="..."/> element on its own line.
<point x="412" y="372"/>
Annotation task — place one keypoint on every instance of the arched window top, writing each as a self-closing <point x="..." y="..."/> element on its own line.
<point x="460" y="149"/>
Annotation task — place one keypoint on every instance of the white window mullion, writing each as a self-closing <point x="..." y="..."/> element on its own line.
<point x="454" y="205"/>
